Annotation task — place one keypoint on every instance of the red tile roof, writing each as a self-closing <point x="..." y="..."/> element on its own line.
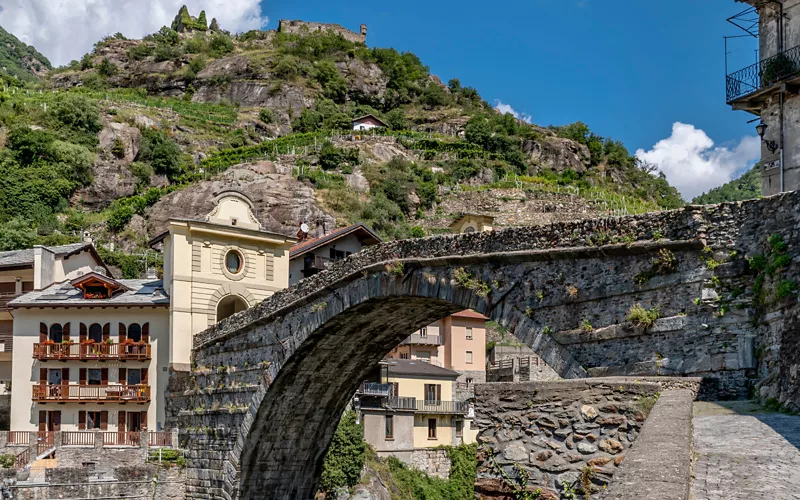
<point x="469" y="313"/>
<point x="312" y="243"/>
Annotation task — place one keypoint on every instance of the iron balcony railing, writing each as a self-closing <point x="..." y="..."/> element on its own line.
<point x="127" y="351"/>
<point x="762" y="74"/>
<point x="428" y="406"/>
<point x="64" y="393"/>
<point x="417" y="339"/>
<point x="375" y="389"/>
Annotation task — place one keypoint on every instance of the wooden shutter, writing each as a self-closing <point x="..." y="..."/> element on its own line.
<point x="66" y="331"/>
<point x="42" y="376"/>
<point x="56" y="416"/>
<point x="123" y="376"/>
<point x="65" y="376"/>
<point x="42" y="333"/>
<point x="143" y="420"/>
<point x="144" y="376"/>
<point x="81" y="420"/>
<point x="103" y="420"/>
<point x="84" y="332"/>
<point x="106" y="331"/>
<point x="438" y="392"/>
<point x="104" y="376"/>
<point x="146" y="333"/>
<point x="123" y="333"/>
<point x="42" y="421"/>
<point x="121" y="421"/>
<point x="82" y="376"/>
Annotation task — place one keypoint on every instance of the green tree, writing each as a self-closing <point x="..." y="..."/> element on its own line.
<point x="16" y="234"/>
<point x="396" y="119"/>
<point x="119" y="217"/>
<point x="478" y="131"/>
<point x="334" y="86"/>
<point x="202" y="22"/>
<point x="158" y="149"/>
<point x="220" y="45"/>
<point x="79" y="113"/>
<point x="346" y="455"/>
<point x="107" y="68"/>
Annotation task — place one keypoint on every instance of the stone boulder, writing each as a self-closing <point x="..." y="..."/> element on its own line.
<point x="261" y="94"/>
<point x="112" y="180"/>
<point x="129" y="136"/>
<point x="558" y="154"/>
<point x="364" y="80"/>
<point x="282" y="202"/>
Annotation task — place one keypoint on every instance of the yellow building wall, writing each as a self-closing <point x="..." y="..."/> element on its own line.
<point x="475" y="222"/>
<point x="25" y="369"/>
<point x="414" y="387"/>
<point x="457" y="345"/>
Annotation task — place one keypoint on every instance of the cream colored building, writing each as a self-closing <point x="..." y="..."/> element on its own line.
<point x="417" y="409"/>
<point x="95" y="353"/>
<point x="472" y="223"/>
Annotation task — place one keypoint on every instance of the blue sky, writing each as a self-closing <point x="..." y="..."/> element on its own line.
<point x="628" y="68"/>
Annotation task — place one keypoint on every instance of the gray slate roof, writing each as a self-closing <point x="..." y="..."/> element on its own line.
<point x="142" y="293"/>
<point x="418" y="368"/>
<point x="25" y="257"/>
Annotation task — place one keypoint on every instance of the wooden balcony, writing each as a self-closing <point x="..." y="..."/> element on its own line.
<point x="137" y="351"/>
<point x="91" y="393"/>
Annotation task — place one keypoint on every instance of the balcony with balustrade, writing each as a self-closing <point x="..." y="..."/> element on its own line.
<point x="82" y="393"/>
<point x="99" y="351"/>
<point x="748" y="88"/>
<point x="418" y="339"/>
<point x="428" y="407"/>
<point x="374" y="389"/>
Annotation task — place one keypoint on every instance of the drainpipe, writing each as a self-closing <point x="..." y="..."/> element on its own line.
<point x="781" y="138"/>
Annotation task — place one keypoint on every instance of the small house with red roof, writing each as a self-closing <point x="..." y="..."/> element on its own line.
<point x="312" y="255"/>
<point x="368" y="122"/>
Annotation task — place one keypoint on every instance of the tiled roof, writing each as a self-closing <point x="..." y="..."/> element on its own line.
<point x="418" y="368"/>
<point x="469" y="313"/>
<point x="140" y="293"/>
<point x="310" y="244"/>
<point x="25" y="257"/>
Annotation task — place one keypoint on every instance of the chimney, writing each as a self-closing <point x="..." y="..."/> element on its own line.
<point x="87" y="237"/>
<point x="151" y="273"/>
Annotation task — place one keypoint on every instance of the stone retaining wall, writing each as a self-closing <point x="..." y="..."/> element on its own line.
<point x="556" y="433"/>
<point x="434" y="462"/>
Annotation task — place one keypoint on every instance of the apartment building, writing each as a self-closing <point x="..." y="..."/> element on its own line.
<point x="95" y="353"/>
<point x="312" y="255"/>
<point x="411" y="405"/>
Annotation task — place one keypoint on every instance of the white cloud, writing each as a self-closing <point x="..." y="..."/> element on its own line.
<point x="64" y="30"/>
<point x="694" y="165"/>
<point x="506" y="108"/>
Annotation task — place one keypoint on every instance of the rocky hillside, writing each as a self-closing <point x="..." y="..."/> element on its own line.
<point x="139" y="131"/>
<point x="20" y="60"/>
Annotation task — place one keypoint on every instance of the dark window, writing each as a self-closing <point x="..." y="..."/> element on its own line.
<point x="403" y="355"/>
<point x="56" y="333"/>
<point x="134" y="377"/>
<point x="94" y="376"/>
<point x="459" y="428"/>
<point x="134" y="421"/>
<point x="431" y="428"/>
<point x="93" y="420"/>
<point x="135" y="332"/>
<point x="337" y="254"/>
<point x="233" y="262"/>
<point x="96" y="333"/>
<point x="95" y="292"/>
<point x="389" y="426"/>
<point x="433" y="392"/>
<point x="54" y="376"/>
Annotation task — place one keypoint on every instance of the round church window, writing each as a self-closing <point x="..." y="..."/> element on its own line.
<point x="233" y="262"/>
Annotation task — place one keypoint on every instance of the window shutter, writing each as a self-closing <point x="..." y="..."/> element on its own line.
<point x="83" y="332"/>
<point x="104" y="376"/>
<point x="82" y="376"/>
<point x="56" y="420"/>
<point x="123" y="376"/>
<point x="65" y="376"/>
<point x="42" y="333"/>
<point x="66" y="331"/>
<point x="438" y="392"/>
<point x="143" y="420"/>
<point x="106" y="331"/>
<point x="103" y="420"/>
<point x="42" y="421"/>
<point x="121" y="421"/>
<point x="81" y="420"/>
<point x="43" y="376"/>
<point x="144" y="376"/>
<point x="146" y="333"/>
<point x="123" y="333"/>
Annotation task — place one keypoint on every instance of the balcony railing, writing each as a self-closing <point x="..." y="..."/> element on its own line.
<point x="762" y="74"/>
<point x="417" y="339"/>
<point x="431" y="407"/>
<point x="137" y="351"/>
<point x="375" y="389"/>
<point x="91" y="393"/>
<point x="77" y="438"/>
<point x="121" y="438"/>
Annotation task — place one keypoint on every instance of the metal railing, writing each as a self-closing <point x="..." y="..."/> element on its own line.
<point x="77" y="438"/>
<point x="418" y="339"/>
<point x="121" y="438"/>
<point x="136" y="351"/>
<point x="93" y="393"/>
<point x="375" y="389"/>
<point x="762" y="74"/>
<point x="402" y="403"/>
<point x="428" y="406"/>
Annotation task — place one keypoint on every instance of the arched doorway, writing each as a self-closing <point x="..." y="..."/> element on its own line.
<point x="229" y="306"/>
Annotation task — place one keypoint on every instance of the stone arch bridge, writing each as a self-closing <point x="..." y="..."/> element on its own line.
<point x="268" y="385"/>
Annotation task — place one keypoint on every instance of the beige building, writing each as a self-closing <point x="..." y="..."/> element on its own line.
<point x="95" y="353"/>
<point x="472" y="223"/>
<point x="413" y="407"/>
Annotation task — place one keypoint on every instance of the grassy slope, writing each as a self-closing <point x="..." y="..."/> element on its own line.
<point x="13" y="55"/>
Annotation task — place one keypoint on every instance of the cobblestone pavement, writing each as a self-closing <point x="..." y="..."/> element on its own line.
<point x="744" y="452"/>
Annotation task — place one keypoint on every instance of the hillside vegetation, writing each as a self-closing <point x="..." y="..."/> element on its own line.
<point x="746" y="187"/>
<point x="20" y="60"/>
<point x="138" y="131"/>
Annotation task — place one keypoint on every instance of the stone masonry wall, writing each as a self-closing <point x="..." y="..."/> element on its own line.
<point x="552" y="432"/>
<point x="434" y="462"/>
<point x="304" y="28"/>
